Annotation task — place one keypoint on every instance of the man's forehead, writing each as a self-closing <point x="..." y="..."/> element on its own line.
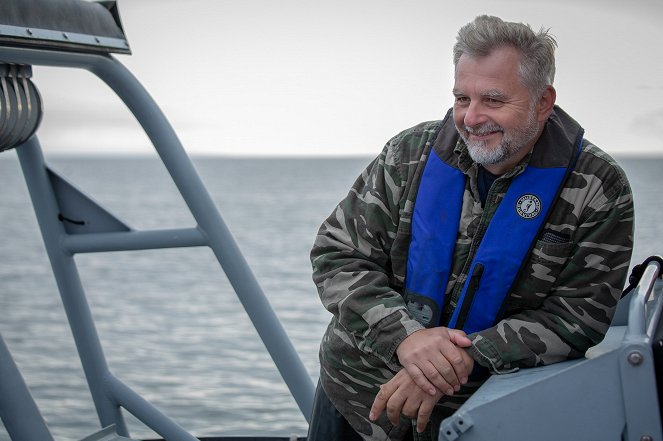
<point x="499" y="62"/>
<point x="494" y="75"/>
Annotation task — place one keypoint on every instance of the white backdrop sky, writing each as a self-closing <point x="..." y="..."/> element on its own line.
<point x="265" y="77"/>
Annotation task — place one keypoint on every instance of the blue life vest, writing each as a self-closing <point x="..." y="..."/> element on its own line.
<point x="506" y="244"/>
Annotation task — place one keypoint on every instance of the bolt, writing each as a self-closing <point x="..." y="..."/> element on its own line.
<point x="66" y="37"/>
<point x="28" y="31"/>
<point x="635" y="358"/>
<point x="646" y="438"/>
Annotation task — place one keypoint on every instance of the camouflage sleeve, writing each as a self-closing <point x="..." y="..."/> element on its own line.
<point x="351" y="257"/>
<point x="577" y="310"/>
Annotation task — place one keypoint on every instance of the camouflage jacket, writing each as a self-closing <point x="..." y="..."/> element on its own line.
<point x="561" y="304"/>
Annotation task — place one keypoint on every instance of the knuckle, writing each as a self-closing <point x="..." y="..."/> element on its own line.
<point x="418" y="376"/>
<point x="410" y="413"/>
<point x="446" y="371"/>
<point x="424" y="414"/>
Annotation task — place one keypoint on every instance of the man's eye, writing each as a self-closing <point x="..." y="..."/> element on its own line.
<point x="462" y="99"/>
<point x="493" y="101"/>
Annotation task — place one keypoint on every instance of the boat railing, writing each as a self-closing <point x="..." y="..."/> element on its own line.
<point x="71" y="222"/>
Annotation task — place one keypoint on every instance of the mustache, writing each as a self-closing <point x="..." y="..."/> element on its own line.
<point x="484" y="129"/>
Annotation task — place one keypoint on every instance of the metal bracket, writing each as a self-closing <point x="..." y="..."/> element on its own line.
<point x="455" y="426"/>
<point x="107" y="434"/>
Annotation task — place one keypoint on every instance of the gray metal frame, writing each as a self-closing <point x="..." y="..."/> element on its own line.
<point x="16" y="404"/>
<point x="50" y="193"/>
<point x="608" y="395"/>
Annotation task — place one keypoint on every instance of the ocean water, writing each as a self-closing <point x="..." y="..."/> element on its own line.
<point x="170" y="324"/>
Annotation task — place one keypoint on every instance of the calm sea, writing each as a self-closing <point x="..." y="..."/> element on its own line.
<point x="171" y="327"/>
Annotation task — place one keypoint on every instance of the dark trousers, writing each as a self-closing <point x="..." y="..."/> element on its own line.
<point x="327" y="423"/>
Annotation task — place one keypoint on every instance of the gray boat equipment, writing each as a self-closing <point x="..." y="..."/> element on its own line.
<point x="20" y="106"/>
<point x="608" y="395"/>
<point x="75" y="25"/>
<point x="72" y="222"/>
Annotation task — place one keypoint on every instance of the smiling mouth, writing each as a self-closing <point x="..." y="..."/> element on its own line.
<point x="483" y="134"/>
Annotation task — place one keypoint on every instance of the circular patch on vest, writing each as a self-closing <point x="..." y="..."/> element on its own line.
<point x="528" y="206"/>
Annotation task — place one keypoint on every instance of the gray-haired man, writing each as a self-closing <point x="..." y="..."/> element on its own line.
<point x="495" y="239"/>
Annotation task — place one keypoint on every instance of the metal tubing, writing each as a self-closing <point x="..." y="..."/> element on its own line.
<point x="18" y="410"/>
<point x="209" y="219"/>
<point x="169" y="148"/>
<point x="69" y="283"/>
<point x="133" y="240"/>
<point x="637" y="317"/>
<point x="657" y="309"/>
<point x="146" y="412"/>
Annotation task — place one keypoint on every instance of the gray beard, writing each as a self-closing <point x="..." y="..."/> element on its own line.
<point x="511" y="144"/>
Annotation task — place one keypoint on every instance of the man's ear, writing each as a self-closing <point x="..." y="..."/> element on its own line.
<point x="546" y="103"/>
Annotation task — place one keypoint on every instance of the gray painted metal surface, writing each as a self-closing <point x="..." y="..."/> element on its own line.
<point x="87" y="227"/>
<point x="106" y="434"/>
<point x="609" y="395"/>
<point x="18" y="410"/>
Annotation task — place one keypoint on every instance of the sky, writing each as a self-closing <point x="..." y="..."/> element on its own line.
<point x="265" y="77"/>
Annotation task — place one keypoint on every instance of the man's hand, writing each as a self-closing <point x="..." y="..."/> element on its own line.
<point x="435" y="360"/>
<point x="401" y="395"/>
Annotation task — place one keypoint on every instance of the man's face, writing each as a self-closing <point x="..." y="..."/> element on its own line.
<point x="493" y="110"/>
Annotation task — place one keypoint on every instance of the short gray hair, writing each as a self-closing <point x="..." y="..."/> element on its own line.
<point x="537" y="50"/>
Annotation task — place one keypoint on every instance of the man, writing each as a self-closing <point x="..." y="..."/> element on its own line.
<point x="496" y="239"/>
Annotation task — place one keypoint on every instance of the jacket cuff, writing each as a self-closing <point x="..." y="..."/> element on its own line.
<point x="389" y="334"/>
<point x="486" y="354"/>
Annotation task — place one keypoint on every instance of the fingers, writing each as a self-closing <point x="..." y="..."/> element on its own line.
<point x="419" y="408"/>
<point x="381" y="399"/>
<point x="391" y="397"/>
<point x="423" y="380"/>
<point x="401" y="396"/>
<point x="424" y="414"/>
<point x="459" y="366"/>
<point x="395" y="407"/>
<point x="459" y="338"/>
<point x="442" y="374"/>
<point x="435" y="359"/>
<point x="452" y="365"/>
<point x="457" y="356"/>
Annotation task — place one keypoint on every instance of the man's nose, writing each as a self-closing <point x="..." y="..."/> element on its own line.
<point x="474" y="115"/>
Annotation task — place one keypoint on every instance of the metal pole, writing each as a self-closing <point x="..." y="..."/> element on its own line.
<point x="169" y="148"/>
<point x="147" y="413"/>
<point x="133" y="240"/>
<point x="637" y="317"/>
<point x="209" y="219"/>
<point x="18" y="410"/>
<point x="69" y="283"/>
